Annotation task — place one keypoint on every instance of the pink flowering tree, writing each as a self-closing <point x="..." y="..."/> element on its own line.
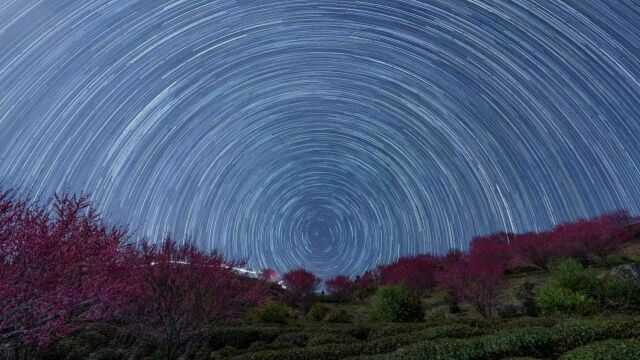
<point x="340" y="286"/>
<point x="301" y="285"/>
<point x="59" y="270"/>
<point x="417" y="273"/>
<point x="181" y="291"/>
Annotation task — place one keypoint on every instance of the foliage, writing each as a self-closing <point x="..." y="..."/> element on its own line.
<point x="606" y="350"/>
<point x="340" y="286"/>
<point x="492" y="249"/>
<point x="181" y="290"/>
<point x="567" y="289"/>
<point x="268" y="275"/>
<point x="395" y="303"/>
<point x="533" y="341"/>
<point x="535" y="248"/>
<point x="340" y="315"/>
<point x="594" y="239"/>
<point x="416" y="273"/>
<point x="476" y="279"/>
<point x="300" y="283"/>
<point x="59" y="270"/>
<point x="452" y="305"/>
<point x="317" y="312"/>
<point x="553" y="299"/>
<point x="574" y="289"/>
<point x="271" y="312"/>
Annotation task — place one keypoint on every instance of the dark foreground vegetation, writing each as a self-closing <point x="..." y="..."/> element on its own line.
<point x="74" y="287"/>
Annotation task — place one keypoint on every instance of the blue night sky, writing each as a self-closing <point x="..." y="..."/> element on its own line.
<point x="330" y="135"/>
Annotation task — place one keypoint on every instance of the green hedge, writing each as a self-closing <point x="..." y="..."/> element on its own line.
<point x="534" y="341"/>
<point x="606" y="350"/>
<point x="340" y="349"/>
<point x="396" y="304"/>
<point x="241" y="337"/>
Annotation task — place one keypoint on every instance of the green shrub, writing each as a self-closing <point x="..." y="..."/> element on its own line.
<point x="618" y="295"/>
<point x="574" y="333"/>
<point x="615" y="260"/>
<point x="574" y="289"/>
<point x="533" y="341"/>
<point x="226" y="352"/>
<point x="552" y="299"/>
<point x="340" y="315"/>
<point x="569" y="289"/>
<point x="240" y="337"/>
<point x="271" y="312"/>
<point x="452" y="306"/>
<point x="293" y="339"/>
<point x="108" y="354"/>
<point x="396" y="304"/>
<point x="571" y="274"/>
<point x="522" y="322"/>
<point x="606" y="350"/>
<point x="323" y="339"/>
<point x="317" y="312"/>
<point x="360" y="332"/>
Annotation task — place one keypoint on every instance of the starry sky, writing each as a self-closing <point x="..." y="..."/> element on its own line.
<point x="330" y="135"/>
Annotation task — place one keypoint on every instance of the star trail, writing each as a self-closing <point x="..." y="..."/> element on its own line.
<point x="330" y="135"/>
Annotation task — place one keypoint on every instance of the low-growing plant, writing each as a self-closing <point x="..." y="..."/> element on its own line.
<point x="554" y="299"/>
<point x="317" y="312"/>
<point x="452" y="305"/>
<point x="340" y="315"/>
<point x="271" y="312"/>
<point x="615" y="260"/>
<point x="396" y="304"/>
<point x="606" y="350"/>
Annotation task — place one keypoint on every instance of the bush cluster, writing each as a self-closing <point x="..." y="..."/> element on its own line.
<point x="572" y="288"/>
<point x="606" y="350"/>
<point x="396" y="304"/>
<point x="271" y="312"/>
<point x="533" y="341"/>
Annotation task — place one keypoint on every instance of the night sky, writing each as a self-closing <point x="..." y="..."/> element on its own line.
<point x="330" y="135"/>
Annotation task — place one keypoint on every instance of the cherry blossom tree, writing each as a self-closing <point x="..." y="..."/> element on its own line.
<point x="181" y="291"/>
<point x="417" y="273"/>
<point x="339" y="286"/>
<point x="58" y="270"/>
<point x="301" y="284"/>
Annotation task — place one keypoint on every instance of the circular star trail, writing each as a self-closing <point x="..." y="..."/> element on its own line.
<point x="330" y="135"/>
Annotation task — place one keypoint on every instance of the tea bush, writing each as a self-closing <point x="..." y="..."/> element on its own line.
<point x="271" y="312"/>
<point x="396" y="304"/>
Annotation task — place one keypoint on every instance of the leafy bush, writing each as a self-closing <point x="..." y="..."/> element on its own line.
<point x="323" y="339"/>
<point x="606" y="350"/>
<point x="552" y="299"/>
<point x="533" y="341"/>
<point x="619" y="295"/>
<point x="340" y="315"/>
<point x="317" y="312"/>
<point x="452" y="305"/>
<point x="292" y="339"/>
<point x="271" y="312"/>
<point x="240" y="337"/>
<point x="568" y="289"/>
<point x="574" y="289"/>
<point x="615" y="260"/>
<point x="396" y="304"/>
<point x="569" y="273"/>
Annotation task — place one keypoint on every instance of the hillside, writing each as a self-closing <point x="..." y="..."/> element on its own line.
<point x="74" y="287"/>
<point x="345" y="331"/>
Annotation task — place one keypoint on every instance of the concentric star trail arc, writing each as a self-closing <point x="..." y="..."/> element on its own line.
<point x="330" y="135"/>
